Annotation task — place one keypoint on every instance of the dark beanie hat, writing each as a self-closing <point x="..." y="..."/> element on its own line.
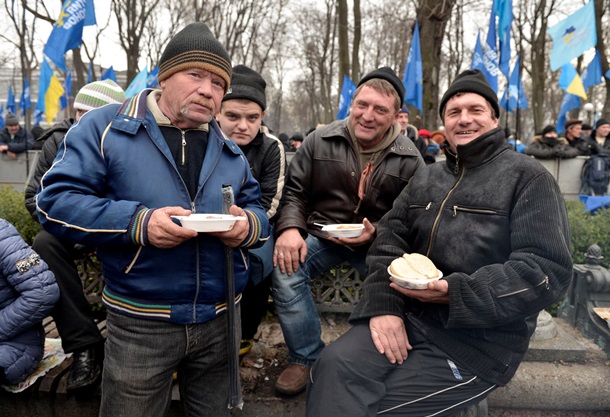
<point x="386" y="73"/>
<point x="404" y="109"/>
<point x="11" y="119"/>
<point x="471" y="81"/>
<point x="601" y="122"/>
<point x="548" y="129"/>
<point x="586" y="126"/>
<point x="247" y="84"/>
<point x="195" y="47"/>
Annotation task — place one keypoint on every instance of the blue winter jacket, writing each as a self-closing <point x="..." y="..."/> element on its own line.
<point x="27" y="294"/>
<point x="114" y="161"/>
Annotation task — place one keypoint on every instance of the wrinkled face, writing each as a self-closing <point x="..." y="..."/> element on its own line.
<point x="191" y="97"/>
<point x="12" y="129"/>
<point x="603" y="131"/>
<point x="467" y="116"/>
<point x="574" y="131"/>
<point x="371" y="116"/>
<point x="240" y="120"/>
<point x="403" y="119"/>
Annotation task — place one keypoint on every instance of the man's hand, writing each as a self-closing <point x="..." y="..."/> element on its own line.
<point x="290" y="249"/>
<point x="390" y="337"/>
<point x="437" y="292"/>
<point x="163" y="232"/>
<point x="11" y="154"/>
<point x="3" y="148"/>
<point x="238" y="232"/>
<point x="367" y="236"/>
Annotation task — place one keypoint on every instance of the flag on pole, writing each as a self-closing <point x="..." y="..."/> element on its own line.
<point x="412" y="80"/>
<point x="151" y="81"/>
<point x="25" y="102"/>
<point x="138" y="83"/>
<point x="90" y="73"/>
<point x="10" y="101"/>
<point x="573" y="35"/>
<point x="109" y="74"/>
<point x="37" y="117"/>
<point x="514" y="96"/>
<point x="345" y="99"/>
<point x="490" y="55"/>
<point x="477" y="55"/>
<point x="569" y="102"/>
<point x="68" y="30"/>
<point x="49" y="92"/>
<point x="63" y="101"/>
<point x="504" y="10"/>
<point x="571" y="82"/>
<point x="1" y="117"/>
<point x="592" y="75"/>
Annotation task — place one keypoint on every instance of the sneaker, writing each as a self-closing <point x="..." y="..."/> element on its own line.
<point x="293" y="379"/>
<point x="245" y="346"/>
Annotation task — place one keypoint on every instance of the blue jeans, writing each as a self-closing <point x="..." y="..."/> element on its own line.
<point x="295" y="304"/>
<point x="142" y="355"/>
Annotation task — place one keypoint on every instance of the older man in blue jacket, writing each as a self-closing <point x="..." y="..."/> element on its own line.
<point x="121" y="174"/>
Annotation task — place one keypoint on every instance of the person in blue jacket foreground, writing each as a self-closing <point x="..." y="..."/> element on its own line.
<point x="122" y="172"/>
<point x="27" y="294"/>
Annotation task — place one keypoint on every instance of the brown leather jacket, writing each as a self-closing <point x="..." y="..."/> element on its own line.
<point x="322" y="181"/>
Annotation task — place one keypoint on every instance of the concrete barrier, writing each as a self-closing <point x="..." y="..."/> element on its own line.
<point x="17" y="172"/>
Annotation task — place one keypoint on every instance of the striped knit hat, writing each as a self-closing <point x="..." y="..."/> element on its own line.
<point x="97" y="94"/>
<point x="195" y="47"/>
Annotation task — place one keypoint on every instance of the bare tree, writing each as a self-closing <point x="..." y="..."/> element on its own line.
<point x="356" y="41"/>
<point x="342" y="15"/>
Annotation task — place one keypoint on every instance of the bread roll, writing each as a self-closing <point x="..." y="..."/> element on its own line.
<point x="422" y="264"/>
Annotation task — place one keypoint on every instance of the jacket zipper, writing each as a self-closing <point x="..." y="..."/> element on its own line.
<point x="183" y="146"/>
<point x="545" y="282"/>
<point x="469" y="210"/>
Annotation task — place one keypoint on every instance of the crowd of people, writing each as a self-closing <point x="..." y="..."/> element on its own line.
<point x="113" y="179"/>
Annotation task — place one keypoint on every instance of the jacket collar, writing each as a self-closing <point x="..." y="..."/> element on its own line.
<point x="477" y="152"/>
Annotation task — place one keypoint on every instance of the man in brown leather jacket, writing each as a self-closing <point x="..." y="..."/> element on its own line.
<point x="349" y="171"/>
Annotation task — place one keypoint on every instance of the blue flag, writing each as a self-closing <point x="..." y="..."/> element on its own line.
<point x="573" y="36"/>
<point x="514" y="97"/>
<point x="592" y="75"/>
<point x="504" y="10"/>
<point x="137" y="84"/>
<point x="90" y="73"/>
<point x="63" y="101"/>
<point x="25" y="102"/>
<point x="570" y="102"/>
<point x="490" y="55"/>
<point x="1" y="117"/>
<point x="68" y="30"/>
<point x="109" y="74"/>
<point x="477" y="55"/>
<point x="44" y="79"/>
<point x="151" y="81"/>
<point x="37" y="117"/>
<point x="345" y="100"/>
<point x="412" y="80"/>
<point x="10" y="101"/>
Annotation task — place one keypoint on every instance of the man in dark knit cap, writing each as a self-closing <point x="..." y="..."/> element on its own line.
<point x="14" y="139"/>
<point x="349" y="171"/>
<point x="157" y="156"/>
<point x="493" y="221"/>
<point x="241" y="118"/>
<point x="600" y="137"/>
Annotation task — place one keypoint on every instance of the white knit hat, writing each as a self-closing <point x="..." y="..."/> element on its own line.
<point x="97" y="94"/>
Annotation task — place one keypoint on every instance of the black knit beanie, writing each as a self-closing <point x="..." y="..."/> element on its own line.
<point x="247" y="84"/>
<point x="471" y="81"/>
<point x="601" y="122"/>
<point x="548" y="129"/>
<point x="386" y="73"/>
<point x="195" y="47"/>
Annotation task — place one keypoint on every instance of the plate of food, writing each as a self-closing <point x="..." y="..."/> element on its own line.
<point x="344" y="229"/>
<point x="202" y="222"/>
<point x="413" y="271"/>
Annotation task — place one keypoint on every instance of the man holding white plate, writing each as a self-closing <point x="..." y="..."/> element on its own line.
<point x="347" y="172"/>
<point x="493" y="221"/>
<point x="121" y="174"/>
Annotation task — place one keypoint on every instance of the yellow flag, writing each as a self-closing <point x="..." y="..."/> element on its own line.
<point x="51" y="98"/>
<point x="576" y="87"/>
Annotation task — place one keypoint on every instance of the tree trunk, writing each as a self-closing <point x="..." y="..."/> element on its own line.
<point x="343" y="42"/>
<point x="356" y="43"/>
<point x="600" y="9"/>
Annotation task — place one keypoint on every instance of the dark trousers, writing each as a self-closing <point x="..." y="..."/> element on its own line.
<point x="254" y="306"/>
<point x="72" y="313"/>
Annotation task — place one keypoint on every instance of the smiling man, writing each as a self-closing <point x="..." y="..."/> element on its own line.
<point x="158" y="155"/>
<point x="349" y="171"/>
<point x="495" y="223"/>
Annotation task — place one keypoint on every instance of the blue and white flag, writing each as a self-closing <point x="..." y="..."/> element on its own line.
<point x="477" y="55"/>
<point x="25" y="102"/>
<point x="138" y="83"/>
<point x="10" y="101"/>
<point x="37" y="117"/>
<point x="570" y="102"/>
<point x="514" y="97"/>
<point x="151" y="81"/>
<point x="345" y="99"/>
<point x="412" y="80"/>
<point x="592" y="75"/>
<point x="504" y="10"/>
<point x="573" y="35"/>
<point x="490" y="55"/>
<point x="109" y="74"/>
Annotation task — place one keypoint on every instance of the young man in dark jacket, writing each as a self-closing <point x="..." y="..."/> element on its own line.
<point x="495" y="223"/>
<point x="349" y="171"/>
<point x="14" y="139"/>
<point x="240" y="118"/>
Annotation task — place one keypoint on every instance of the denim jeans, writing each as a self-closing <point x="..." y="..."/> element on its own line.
<point x="142" y="355"/>
<point x="295" y="304"/>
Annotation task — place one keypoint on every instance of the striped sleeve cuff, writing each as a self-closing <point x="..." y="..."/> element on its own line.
<point x="138" y="227"/>
<point x="255" y="230"/>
